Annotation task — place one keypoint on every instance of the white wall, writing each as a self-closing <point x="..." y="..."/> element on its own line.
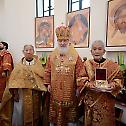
<point x="1" y="19"/>
<point x="17" y="23"/>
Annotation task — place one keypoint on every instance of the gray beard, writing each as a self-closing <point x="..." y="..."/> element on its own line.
<point x="63" y="50"/>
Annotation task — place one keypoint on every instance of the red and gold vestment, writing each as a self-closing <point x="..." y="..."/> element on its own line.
<point x="61" y="73"/>
<point x="6" y="66"/>
<point x="100" y="106"/>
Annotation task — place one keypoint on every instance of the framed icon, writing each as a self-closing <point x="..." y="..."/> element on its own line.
<point x="116" y="23"/>
<point x="79" y="23"/>
<point x="44" y="32"/>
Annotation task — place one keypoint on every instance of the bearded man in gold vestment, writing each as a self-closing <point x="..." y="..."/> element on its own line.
<point x="61" y="74"/>
<point x="23" y="92"/>
<point x="104" y="81"/>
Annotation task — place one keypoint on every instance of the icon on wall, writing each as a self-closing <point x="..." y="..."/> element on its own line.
<point x="79" y="23"/>
<point x="116" y="23"/>
<point x="44" y="32"/>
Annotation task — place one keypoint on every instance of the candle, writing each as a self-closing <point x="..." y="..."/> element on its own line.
<point x="121" y="58"/>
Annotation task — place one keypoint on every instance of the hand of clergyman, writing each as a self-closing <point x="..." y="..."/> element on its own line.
<point x="49" y="88"/>
<point x="91" y="84"/>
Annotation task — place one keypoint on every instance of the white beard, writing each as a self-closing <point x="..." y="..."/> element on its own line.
<point x="63" y="50"/>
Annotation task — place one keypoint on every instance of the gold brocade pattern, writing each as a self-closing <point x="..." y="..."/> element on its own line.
<point x="63" y="71"/>
<point x="99" y="109"/>
<point x="31" y="107"/>
<point x="29" y="79"/>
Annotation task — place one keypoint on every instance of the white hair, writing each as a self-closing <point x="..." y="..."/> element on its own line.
<point x="30" y="46"/>
<point x="100" y="42"/>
